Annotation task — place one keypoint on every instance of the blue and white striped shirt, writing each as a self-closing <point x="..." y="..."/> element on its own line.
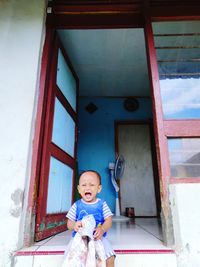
<point x="99" y="209"/>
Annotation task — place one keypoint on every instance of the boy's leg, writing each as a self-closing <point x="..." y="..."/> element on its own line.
<point x="110" y="254"/>
<point x="110" y="261"/>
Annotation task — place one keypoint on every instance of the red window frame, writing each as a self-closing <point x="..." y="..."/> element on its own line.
<point x="166" y="128"/>
<point x="181" y="129"/>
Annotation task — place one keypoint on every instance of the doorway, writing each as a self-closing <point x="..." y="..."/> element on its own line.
<point x="111" y="66"/>
<point x="138" y="187"/>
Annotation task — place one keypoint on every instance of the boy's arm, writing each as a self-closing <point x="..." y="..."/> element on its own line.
<point x="100" y="230"/>
<point x="107" y="224"/>
<point x="72" y="225"/>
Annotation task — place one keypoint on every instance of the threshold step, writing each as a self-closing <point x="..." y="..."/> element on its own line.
<point x="146" y="258"/>
<point x="128" y="258"/>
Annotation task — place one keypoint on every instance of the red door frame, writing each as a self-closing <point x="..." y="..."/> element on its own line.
<point x="116" y="15"/>
<point x="160" y="140"/>
<point x="38" y="137"/>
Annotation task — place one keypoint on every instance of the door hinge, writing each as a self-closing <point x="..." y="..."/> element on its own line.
<point x="49" y="10"/>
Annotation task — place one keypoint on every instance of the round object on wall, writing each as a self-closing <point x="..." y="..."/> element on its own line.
<point x="131" y="104"/>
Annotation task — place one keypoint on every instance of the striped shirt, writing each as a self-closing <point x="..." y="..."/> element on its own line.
<point x="99" y="209"/>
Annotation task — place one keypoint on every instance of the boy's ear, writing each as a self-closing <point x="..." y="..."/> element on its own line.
<point x="78" y="188"/>
<point x="100" y="188"/>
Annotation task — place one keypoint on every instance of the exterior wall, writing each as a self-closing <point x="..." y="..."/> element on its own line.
<point x="96" y="139"/>
<point x="21" y="36"/>
<point x="21" y="28"/>
<point x="185" y="200"/>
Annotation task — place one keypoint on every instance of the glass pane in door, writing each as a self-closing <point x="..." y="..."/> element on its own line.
<point x="59" y="187"/>
<point x="65" y="80"/>
<point x="63" y="129"/>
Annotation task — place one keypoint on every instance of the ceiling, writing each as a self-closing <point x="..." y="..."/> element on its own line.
<point x="109" y="62"/>
<point x="113" y="62"/>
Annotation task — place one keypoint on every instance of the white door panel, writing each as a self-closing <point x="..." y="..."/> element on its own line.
<point x="137" y="183"/>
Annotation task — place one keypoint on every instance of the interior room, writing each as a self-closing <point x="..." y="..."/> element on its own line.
<point x="111" y="67"/>
<point x="114" y="118"/>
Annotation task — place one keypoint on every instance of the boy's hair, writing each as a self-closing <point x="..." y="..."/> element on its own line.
<point x="98" y="175"/>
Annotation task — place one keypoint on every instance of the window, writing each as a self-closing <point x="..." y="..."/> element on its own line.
<point x="178" y="55"/>
<point x="184" y="156"/>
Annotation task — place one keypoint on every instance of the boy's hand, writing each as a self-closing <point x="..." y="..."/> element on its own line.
<point x="98" y="233"/>
<point x="77" y="226"/>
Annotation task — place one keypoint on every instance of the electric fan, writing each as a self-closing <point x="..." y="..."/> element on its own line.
<point x="117" y="171"/>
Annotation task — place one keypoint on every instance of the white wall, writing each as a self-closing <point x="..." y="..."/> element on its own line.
<point x="21" y="39"/>
<point x="185" y="199"/>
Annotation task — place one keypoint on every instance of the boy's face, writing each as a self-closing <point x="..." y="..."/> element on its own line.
<point x="89" y="186"/>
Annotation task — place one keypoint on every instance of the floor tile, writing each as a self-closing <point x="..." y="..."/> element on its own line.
<point x="47" y="261"/>
<point x="31" y="248"/>
<point x="52" y="248"/>
<point x="24" y="261"/>
<point x="42" y="242"/>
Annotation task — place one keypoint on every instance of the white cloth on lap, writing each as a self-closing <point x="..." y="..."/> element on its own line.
<point x="84" y="251"/>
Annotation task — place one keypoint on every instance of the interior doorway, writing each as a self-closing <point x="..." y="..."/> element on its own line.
<point x="138" y="187"/>
<point x="110" y="66"/>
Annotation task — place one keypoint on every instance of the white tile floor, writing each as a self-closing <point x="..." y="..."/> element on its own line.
<point x="141" y="234"/>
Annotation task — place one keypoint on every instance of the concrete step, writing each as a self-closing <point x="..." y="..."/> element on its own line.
<point x="146" y="259"/>
<point x="125" y="258"/>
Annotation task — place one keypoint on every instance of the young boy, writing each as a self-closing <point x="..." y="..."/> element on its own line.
<point x="89" y="186"/>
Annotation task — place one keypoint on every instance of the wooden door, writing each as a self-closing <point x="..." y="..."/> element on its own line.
<point x="137" y="187"/>
<point x="57" y="174"/>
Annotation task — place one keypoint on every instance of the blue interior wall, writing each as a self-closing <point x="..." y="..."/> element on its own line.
<point x="96" y="136"/>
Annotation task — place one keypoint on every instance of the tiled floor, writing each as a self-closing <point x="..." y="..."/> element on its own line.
<point x="141" y="234"/>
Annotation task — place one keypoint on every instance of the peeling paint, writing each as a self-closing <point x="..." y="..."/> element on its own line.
<point x="17" y="198"/>
<point x="42" y="227"/>
<point x="16" y="212"/>
<point x="187" y="246"/>
<point x="55" y="224"/>
<point x="173" y="202"/>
